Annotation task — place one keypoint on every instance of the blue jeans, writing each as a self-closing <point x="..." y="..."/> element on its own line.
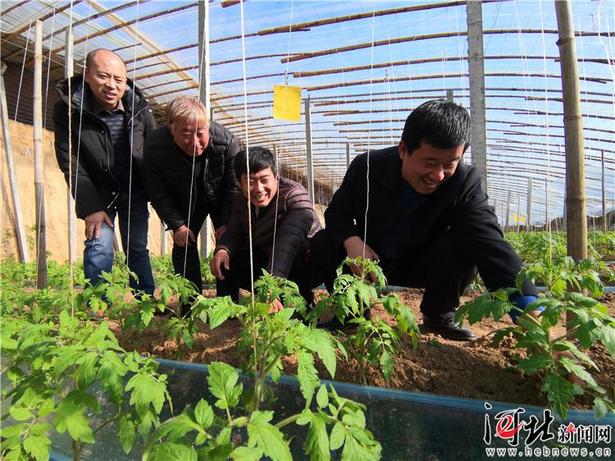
<point x="98" y="252"/>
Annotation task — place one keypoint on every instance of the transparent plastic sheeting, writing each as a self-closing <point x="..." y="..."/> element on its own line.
<point x="409" y="425"/>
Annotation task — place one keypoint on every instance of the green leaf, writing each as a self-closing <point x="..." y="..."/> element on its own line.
<point x="126" y="433"/>
<point x="20" y="413"/>
<point x="536" y="362"/>
<point x="146" y="389"/>
<point x="204" y="414"/>
<point x="338" y="434"/>
<point x="560" y="393"/>
<point x="220" y="312"/>
<point x="37" y="447"/>
<point x="306" y="375"/>
<point x="69" y="416"/>
<point x="606" y="335"/>
<point x="600" y="408"/>
<point x="246" y="454"/>
<point x="177" y="427"/>
<point x="172" y="452"/>
<point x="267" y="437"/>
<point x="317" y="443"/>
<point x="222" y="382"/>
<point x="86" y="371"/>
<point x="578" y="371"/>
<point x="322" y="397"/>
<point x="386" y="363"/>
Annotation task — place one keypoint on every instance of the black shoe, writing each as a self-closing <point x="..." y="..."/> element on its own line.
<point x="448" y="329"/>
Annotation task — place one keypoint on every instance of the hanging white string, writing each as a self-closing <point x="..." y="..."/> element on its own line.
<point x="247" y="146"/>
<point x="131" y="124"/>
<point x="71" y="283"/>
<point x="53" y="28"/>
<point x="369" y="129"/>
<point x="23" y="66"/>
<point x="275" y="152"/>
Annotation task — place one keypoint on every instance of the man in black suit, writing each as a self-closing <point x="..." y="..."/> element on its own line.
<point x="427" y="220"/>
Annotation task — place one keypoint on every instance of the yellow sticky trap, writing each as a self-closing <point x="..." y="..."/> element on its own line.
<point x="287" y="102"/>
<point x="515" y="217"/>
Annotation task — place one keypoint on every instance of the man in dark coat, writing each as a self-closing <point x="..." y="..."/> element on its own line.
<point x="102" y="163"/>
<point x="428" y="220"/>
<point x="189" y="170"/>
<point x="282" y="219"/>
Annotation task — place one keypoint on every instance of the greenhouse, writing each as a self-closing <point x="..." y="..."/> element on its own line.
<point x="311" y="230"/>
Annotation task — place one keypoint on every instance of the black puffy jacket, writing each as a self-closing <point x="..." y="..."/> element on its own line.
<point x="168" y="177"/>
<point x="91" y="158"/>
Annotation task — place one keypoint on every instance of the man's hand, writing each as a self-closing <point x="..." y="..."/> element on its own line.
<point x="93" y="224"/>
<point x="221" y="259"/>
<point x="354" y="248"/>
<point x="219" y="232"/>
<point x="183" y="235"/>
<point x="276" y="306"/>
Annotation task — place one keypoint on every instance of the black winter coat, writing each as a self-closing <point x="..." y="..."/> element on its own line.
<point x="396" y="234"/>
<point x="296" y="221"/>
<point x="93" y="185"/>
<point x="168" y="173"/>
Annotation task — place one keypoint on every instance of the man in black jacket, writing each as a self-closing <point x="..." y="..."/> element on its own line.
<point x="282" y="221"/>
<point x="109" y="118"/>
<point x="428" y="220"/>
<point x="189" y="169"/>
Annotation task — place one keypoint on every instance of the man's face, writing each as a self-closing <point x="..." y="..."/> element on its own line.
<point x="263" y="186"/>
<point x="192" y="136"/>
<point x="106" y="77"/>
<point x="428" y="167"/>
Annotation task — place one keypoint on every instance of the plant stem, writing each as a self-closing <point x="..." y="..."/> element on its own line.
<point x="287" y="421"/>
<point x="76" y="451"/>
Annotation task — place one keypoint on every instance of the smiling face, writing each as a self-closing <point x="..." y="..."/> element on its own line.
<point x="263" y="187"/>
<point x="191" y="136"/>
<point x="428" y="167"/>
<point x="105" y="74"/>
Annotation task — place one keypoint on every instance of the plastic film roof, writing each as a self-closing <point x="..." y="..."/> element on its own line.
<point x="365" y="68"/>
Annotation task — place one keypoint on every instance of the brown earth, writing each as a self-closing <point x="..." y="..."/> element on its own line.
<point x="475" y="369"/>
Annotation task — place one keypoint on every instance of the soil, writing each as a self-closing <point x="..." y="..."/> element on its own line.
<point x="476" y="369"/>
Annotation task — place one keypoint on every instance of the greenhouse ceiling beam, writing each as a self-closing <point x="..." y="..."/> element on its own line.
<point x="29" y="21"/>
<point x="15" y="6"/>
<point x="375" y="81"/>
<point x="416" y="38"/>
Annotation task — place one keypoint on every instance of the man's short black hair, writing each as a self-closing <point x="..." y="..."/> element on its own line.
<point x="260" y="159"/>
<point x="440" y="123"/>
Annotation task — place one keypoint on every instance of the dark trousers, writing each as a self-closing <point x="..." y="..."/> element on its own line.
<point x="186" y="261"/>
<point x="302" y="273"/>
<point x="441" y="268"/>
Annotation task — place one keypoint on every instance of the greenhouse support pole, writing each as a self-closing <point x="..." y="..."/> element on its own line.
<point x="39" y="186"/>
<point x="163" y="239"/>
<point x="604" y="223"/>
<point x="70" y="201"/>
<point x="528" y="212"/>
<point x="347" y="156"/>
<point x="547" y="221"/>
<point x="507" y="221"/>
<point x="205" y="96"/>
<point x="519" y="213"/>
<point x="576" y="218"/>
<point x="308" y="149"/>
<point x="449" y="96"/>
<point x="22" y="244"/>
<point x="476" y="69"/>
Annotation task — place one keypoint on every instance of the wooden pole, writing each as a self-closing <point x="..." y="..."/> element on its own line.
<point x="476" y="69"/>
<point x="547" y="219"/>
<point x="22" y="245"/>
<point x="163" y="239"/>
<point x="604" y="223"/>
<point x="573" y="122"/>
<point x="308" y="149"/>
<point x="347" y="156"/>
<point x="39" y="186"/>
<point x="70" y="202"/>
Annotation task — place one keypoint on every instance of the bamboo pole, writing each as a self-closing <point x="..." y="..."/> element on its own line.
<point x="347" y="156"/>
<point x="507" y="220"/>
<point x="528" y="211"/>
<point x="573" y="121"/>
<point x="547" y="219"/>
<point x="22" y="245"/>
<point x="39" y="186"/>
<point x="476" y="74"/>
<point x="308" y="148"/>
<point x="603" y="180"/>
<point x="70" y="202"/>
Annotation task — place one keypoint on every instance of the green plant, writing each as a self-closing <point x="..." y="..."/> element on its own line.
<point x="561" y="362"/>
<point x="60" y="372"/>
<point x="335" y="423"/>
<point x="374" y="341"/>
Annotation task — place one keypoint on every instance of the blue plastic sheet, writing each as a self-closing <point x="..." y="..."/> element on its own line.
<point x="409" y="425"/>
